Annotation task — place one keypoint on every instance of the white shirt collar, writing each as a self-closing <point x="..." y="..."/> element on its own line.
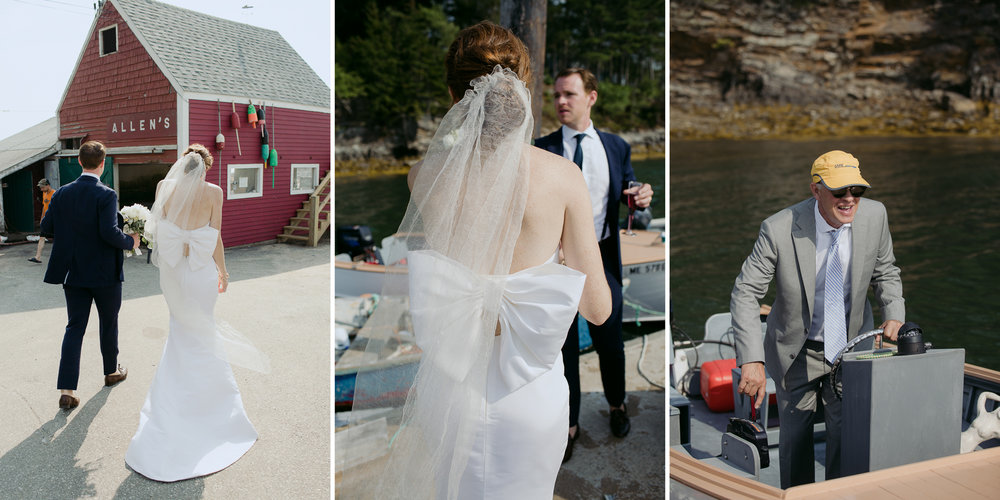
<point x="91" y="175"/>
<point x="569" y="132"/>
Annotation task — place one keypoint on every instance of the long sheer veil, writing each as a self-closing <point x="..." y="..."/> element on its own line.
<point x="466" y="205"/>
<point x="179" y="247"/>
<point x="178" y="195"/>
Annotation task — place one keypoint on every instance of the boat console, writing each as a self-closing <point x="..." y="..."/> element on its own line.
<point x="900" y="409"/>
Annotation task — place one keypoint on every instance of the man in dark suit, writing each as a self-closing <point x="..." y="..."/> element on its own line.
<point x="87" y="261"/>
<point x="607" y="168"/>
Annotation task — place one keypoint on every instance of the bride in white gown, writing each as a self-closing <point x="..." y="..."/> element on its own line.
<point x="490" y="304"/>
<point x="193" y="422"/>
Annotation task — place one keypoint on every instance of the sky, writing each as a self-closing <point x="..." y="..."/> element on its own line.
<point x="42" y="39"/>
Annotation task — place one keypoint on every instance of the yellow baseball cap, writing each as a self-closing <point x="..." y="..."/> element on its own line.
<point x="837" y="169"/>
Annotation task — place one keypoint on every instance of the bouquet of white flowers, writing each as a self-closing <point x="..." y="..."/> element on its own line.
<point x="135" y="222"/>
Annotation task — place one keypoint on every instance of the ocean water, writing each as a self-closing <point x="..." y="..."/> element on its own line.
<point x="941" y="195"/>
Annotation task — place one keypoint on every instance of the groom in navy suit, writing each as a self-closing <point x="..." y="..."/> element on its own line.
<point x="87" y="261"/>
<point x="607" y="168"/>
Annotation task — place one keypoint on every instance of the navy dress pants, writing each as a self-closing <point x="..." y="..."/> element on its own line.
<point x="610" y="349"/>
<point x="78" y="300"/>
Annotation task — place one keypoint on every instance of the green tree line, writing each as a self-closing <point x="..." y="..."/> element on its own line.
<point x="389" y="60"/>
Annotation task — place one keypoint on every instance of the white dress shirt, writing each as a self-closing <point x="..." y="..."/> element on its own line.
<point x="595" y="172"/>
<point x="824" y="239"/>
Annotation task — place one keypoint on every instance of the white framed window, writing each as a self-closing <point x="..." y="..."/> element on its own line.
<point x="108" y="38"/>
<point x="305" y="177"/>
<point x="244" y="181"/>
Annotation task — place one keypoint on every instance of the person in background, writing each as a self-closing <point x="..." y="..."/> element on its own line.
<point x="605" y="160"/>
<point x="47" y="192"/>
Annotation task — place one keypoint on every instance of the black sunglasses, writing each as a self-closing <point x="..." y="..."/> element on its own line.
<point x="856" y="191"/>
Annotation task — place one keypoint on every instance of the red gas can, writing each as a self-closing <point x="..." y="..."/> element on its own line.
<point x="717" y="384"/>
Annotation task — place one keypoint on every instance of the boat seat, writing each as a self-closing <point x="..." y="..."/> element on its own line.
<point x="680" y="418"/>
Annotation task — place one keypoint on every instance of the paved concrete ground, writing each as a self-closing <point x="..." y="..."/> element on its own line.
<point x="603" y="466"/>
<point x="279" y="298"/>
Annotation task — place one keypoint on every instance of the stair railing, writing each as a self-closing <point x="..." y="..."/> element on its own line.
<point x="317" y="202"/>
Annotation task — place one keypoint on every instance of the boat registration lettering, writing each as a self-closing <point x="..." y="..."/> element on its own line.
<point x="656" y="267"/>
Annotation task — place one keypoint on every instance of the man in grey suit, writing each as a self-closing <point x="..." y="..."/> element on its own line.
<point x="823" y="253"/>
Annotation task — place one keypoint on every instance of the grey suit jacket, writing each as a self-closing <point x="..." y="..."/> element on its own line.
<point x="785" y="251"/>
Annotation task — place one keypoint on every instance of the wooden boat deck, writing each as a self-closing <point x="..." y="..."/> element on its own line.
<point x="359" y="266"/>
<point x="645" y="246"/>
<point x="973" y="475"/>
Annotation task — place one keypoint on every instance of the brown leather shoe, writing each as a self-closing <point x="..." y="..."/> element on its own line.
<point x="68" y="402"/>
<point x="114" y="378"/>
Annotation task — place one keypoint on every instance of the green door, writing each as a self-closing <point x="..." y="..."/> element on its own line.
<point x="18" y="205"/>
<point x="70" y="169"/>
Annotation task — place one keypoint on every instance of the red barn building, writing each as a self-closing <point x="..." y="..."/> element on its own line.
<point x="153" y="78"/>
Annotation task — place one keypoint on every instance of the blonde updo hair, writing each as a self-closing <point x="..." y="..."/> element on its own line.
<point x="203" y="151"/>
<point x="478" y="49"/>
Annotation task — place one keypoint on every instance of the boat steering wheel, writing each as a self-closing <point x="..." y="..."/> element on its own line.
<point x="835" y="372"/>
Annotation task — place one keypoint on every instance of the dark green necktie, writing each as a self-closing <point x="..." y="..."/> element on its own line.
<point x="578" y="154"/>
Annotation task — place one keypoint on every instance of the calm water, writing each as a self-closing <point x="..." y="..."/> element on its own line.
<point x="380" y="202"/>
<point x="941" y="195"/>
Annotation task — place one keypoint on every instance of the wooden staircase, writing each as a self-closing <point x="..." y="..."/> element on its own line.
<point x="313" y="219"/>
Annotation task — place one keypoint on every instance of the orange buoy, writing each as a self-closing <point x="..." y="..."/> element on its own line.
<point x="252" y="115"/>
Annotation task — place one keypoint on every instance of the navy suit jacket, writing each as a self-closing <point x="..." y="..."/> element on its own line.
<point x="619" y="174"/>
<point x="87" y="251"/>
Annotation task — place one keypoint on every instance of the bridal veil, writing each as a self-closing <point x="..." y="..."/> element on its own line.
<point x="466" y="203"/>
<point x="179" y="206"/>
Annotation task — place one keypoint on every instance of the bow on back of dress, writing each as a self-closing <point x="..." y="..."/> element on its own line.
<point x="176" y="218"/>
<point x="174" y="244"/>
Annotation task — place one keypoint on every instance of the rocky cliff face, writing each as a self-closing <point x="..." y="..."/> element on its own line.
<point x="774" y="68"/>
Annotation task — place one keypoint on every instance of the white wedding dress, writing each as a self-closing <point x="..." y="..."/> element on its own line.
<point x="193" y="422"/>
<point x="517" y="448"/>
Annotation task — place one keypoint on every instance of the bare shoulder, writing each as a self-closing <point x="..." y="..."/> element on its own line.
<point x="556" y="177"/>
<point x="214" y="191"/>
<point x="546" y="166"/>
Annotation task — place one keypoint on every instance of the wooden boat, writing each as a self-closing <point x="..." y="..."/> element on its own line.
<point x="699" y="470"/>
<point x="644" y="276"/>
<point x="357" y="278"/>
<point x="399" y="368"/>
<point x="402" y="370"/>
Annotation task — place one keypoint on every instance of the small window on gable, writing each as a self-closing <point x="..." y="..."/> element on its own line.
<point x="109" y="40"/>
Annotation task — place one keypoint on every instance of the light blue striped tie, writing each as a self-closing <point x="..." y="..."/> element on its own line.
<point x="835" y="321"/>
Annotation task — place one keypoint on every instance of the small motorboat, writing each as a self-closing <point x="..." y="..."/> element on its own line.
<point x="893" y="444"/>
